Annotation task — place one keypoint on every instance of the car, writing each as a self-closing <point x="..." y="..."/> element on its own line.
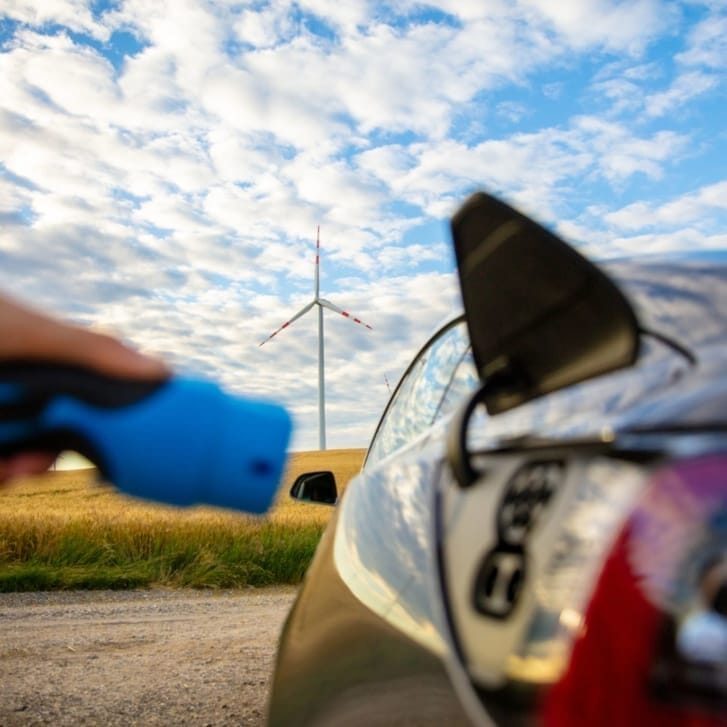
<point x="539" y="532"/>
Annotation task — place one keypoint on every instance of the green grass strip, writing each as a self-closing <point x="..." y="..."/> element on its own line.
<point x="78" y="554"/>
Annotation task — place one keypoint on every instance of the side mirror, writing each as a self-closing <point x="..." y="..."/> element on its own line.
<point x="317" y="487"/>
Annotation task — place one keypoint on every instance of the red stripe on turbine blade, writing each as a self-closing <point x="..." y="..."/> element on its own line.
<point x="274" y="333"/>
<point x="355" y="320"/>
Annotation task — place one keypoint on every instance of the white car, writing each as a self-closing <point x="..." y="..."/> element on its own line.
<point x="539" y="532"/>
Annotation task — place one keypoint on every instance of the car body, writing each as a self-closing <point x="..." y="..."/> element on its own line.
<point x="541" y="519"/>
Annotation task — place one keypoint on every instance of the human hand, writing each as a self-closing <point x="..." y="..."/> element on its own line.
<point x="26" y="334"/>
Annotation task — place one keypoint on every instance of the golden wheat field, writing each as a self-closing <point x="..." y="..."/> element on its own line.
<point x="74" y="493"/>
<point x="66" y="530"/>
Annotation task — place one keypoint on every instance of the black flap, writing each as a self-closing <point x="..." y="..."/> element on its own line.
<point x="540" y="316"/>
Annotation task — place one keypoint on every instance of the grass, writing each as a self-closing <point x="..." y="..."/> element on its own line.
<point x="65" y="531"/>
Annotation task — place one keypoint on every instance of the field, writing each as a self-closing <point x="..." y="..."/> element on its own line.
<point x="64" y="530"/>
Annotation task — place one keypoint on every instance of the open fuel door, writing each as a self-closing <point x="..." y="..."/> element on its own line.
<point x="540" y="316"/>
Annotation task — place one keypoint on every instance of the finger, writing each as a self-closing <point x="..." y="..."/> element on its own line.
<point x="107" y="354"/>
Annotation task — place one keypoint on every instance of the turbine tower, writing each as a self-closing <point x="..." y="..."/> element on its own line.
<point x="321" y="303"/>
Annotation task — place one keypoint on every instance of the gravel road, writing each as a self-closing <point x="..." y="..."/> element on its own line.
<point x="138" y="657"/>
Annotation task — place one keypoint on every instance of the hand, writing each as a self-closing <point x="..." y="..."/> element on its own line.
<point x="29" y="334"/>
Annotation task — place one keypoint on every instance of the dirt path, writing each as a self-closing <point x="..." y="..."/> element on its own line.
<point x="138" y="657"/>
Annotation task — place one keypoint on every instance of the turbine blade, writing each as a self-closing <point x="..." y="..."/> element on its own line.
<point x="300" y="313"/>
<point x="327" y="304"/>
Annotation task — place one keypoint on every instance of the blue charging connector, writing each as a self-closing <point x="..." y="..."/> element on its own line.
<point x="183" y="441"/>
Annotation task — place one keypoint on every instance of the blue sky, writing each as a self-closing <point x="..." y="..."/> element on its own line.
<point x="164" y="165"/>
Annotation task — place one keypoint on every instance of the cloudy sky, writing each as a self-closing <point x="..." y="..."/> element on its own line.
<point x="164" y="165"/>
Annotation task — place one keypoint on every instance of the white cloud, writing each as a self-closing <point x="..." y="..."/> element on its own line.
<point x="346" y="17"/>
<point x="331" y="184"/>
<point x="173" y="194"/>
<point x="625" y="26"/>
<point x="681" y="240"/>
<point x="687" y="222"/>
<point x="636" y="216"/>
<point x="412" y="255"/>
<point x="74" y="78"/>
<point x="707" y="42"/>
<point x="73" y="14"/>
<point x="685" y="210"/>
<point x="685" y="88"/>
<point x="624" y="95"/>
<point x="265" y="27"/>
<point x="512" y="111"/>
<point x="434" y="176"/>
<point x="621" y="154"/>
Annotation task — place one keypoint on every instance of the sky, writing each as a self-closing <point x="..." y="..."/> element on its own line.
<point x="164" y="166"/>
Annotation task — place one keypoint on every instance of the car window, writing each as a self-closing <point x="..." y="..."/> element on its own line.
<point x="441" y="374"/>
<point x="464" y="380"/>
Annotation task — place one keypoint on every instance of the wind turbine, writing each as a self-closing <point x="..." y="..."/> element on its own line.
<point x="321" y="303"/>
